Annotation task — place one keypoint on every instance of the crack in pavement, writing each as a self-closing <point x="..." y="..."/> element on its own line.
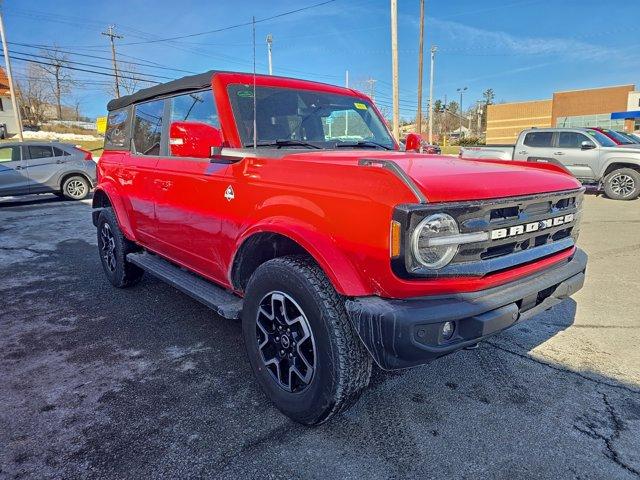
<point x="561" y="369"/>
<point x="617" y="427"/>
<point x="26" y="249"/>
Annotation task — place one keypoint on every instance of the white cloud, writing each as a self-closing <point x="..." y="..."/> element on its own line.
<point x="473" y="40"/>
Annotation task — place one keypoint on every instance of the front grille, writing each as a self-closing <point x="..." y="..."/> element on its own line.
<point x="517" y="211"/>
<point x="499" y="253"/>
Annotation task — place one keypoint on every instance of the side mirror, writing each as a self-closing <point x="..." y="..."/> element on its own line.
<point x="586" y="145"/>
<point x="194" y="139"/>
<point x="413" y="142"/>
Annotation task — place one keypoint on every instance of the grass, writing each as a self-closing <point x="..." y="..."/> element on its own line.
<point x="451" y="150"/>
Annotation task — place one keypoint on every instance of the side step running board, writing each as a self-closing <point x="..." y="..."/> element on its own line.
<point x="213" y="296"/>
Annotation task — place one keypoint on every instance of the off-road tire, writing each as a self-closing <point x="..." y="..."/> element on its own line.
<point x="118" y="270"/>
<point x="631" y="178"/>
<point x="76" y="187"/>
<point x="342" y="365"/>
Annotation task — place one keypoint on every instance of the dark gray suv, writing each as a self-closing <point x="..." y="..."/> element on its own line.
<point x="46" y="167"/>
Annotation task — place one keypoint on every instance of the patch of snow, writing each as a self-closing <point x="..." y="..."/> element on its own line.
<point x="44" y="135"/>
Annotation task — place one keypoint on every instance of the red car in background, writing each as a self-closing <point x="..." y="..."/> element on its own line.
<point x="618" y="138"/>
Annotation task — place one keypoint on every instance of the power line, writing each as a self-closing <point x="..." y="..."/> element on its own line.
<point x="91" y="65"/>
<point x="84" y="70"/>
<point x="221" y="29"/>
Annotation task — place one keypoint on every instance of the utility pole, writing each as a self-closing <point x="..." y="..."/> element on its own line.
<point x="420" y="63"/>
<point x="434" y="49"/>
<point x="12" y="87"/>
<point x="269" y="47"/>
<point x="394" y="64"/>
<point x="372" y="88"/>
<point x="346" y="113"/>
<point x="111" y="34"/>
<point x="461" y="90"/>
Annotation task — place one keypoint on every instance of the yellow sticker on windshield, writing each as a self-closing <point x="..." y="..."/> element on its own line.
<point x="360" y="106"/>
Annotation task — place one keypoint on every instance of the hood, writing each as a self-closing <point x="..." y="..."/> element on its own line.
<point x="450" y="179"/>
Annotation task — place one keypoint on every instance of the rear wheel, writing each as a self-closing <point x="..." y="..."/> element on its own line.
<point x="113" y="248"/>
<point x="76" y="187"/>
<point x="622" y="184"/>
<point x="301" y="345"/>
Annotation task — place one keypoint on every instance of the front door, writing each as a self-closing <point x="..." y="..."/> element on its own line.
<point x="570" y="152"/>
<point x="13" y="176"/>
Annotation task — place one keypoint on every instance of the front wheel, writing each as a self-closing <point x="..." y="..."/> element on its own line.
<point x="301" y="345"/>
<point x="622" y="184"/>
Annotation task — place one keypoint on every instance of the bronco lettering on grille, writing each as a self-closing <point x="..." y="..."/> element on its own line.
<point x="531" y="227"/>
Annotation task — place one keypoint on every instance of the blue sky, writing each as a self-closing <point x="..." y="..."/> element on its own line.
<point x="523" y="49"/>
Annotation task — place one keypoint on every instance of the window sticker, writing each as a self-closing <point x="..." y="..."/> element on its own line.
<point x="245" y="93"/>
<point x="360" y="106"/>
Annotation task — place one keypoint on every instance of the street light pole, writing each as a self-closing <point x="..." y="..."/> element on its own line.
<point x="420" y="64"/>
<point x="394" y="67"/>
<point x="269" y="47"/>
<point x="434" y="49"/>
<point x="461" y="90"/>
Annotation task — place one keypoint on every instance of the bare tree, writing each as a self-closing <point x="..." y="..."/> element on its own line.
<point x="34" y="94"/>
<point x="59" y="76"/>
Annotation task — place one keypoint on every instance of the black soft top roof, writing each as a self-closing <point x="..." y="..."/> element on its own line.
<point x="184" y="84"/>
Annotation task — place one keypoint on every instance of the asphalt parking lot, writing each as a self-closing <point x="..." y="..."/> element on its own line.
<point x="145" y="383"/>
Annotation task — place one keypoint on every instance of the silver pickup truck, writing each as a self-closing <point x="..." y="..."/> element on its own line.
<point x="589" y="155"/>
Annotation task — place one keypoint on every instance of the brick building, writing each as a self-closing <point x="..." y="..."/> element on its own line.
<point x="596" y="107"/>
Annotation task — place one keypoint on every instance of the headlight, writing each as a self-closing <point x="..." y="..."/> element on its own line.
<point x="427" y="250"/>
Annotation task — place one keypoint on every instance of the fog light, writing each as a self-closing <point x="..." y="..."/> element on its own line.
<point x="447" y="330"/>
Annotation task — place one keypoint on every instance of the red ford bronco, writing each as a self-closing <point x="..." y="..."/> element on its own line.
<point x="287" y="204"/>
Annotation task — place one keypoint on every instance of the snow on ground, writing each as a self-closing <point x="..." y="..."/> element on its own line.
<point x="44" y="135"/>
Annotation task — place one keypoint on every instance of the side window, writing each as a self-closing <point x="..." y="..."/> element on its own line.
<point x="538" y="139"/>
<point x="147" y="127"/>
<point x="195" y="107"/>
<point x="571" y="140"/>
<point x="117" y="133"/>
<point x="9" y="154"/>
<point x="40" y="151"/>
<point x="58" y="152"/>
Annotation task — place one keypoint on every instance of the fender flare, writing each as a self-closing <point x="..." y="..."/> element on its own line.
<point x="612" y="160"/>
<point x="343" y="275"/>
<point x="118" y="208"/>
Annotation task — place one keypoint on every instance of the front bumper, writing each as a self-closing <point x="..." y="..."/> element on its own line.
<point x="405" y="333"/>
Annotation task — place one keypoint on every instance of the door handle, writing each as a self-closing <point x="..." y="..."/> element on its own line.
<point x="558" y="153"/>
<point x="18" y="167"/>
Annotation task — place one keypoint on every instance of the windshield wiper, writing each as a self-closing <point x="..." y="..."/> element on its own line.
<point x="284" y="143"/>
<point x="362" y="144"/>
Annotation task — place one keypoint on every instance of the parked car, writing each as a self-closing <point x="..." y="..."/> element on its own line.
<point x="46" y="167"/>
<point x="618" y="138"/>
<point x="591" y="156"/>
<point x="334" y="254"/>
<point x="630" y="136"/>
<point x="431" y="149"/>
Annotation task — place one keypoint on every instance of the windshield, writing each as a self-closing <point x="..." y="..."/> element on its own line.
<point x="601" y="138"/>
<point x="293" y="118"/>
<point x="621" y="139"/>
